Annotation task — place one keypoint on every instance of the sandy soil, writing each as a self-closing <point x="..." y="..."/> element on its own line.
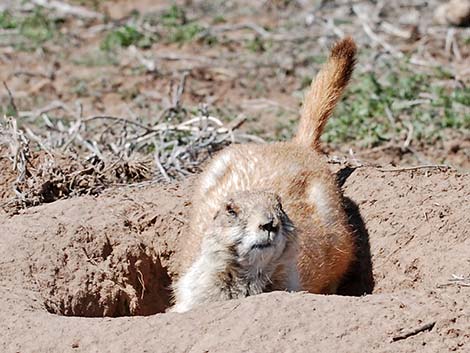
<point x="116" y="254"/>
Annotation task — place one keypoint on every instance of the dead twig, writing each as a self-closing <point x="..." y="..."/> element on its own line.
<point x="160" y="167"/>
<point x="56" y="104"/>
<point x="68" y="9"/>
<point x="239" y="26"/>
<point x="142" y="283"/>
<point x="409" y="136"/>
<point x="458" y="280"/>
<point x="372" y="35"/>
<point x="10" y="97"/>
<point x="426" y="327"/>
<point x="398" y="32"/>
<point x="148" y="63"/>
<point x="34" y="137"/>
<point x="115" y="118"/>
<point x="426" y="166"/>
<point x="178" y="90"/>
<point x="177" y="56"/>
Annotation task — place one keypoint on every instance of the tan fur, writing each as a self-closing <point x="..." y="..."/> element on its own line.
<point x="324" y="93"/>
<point x="297" y="172"/>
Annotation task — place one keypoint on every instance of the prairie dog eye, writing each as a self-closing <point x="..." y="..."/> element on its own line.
<point x="231" y="209"/>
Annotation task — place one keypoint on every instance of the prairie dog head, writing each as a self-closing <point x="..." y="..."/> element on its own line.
<point x="253" y="225"/>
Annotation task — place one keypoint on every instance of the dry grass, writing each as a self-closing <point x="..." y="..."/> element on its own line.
<point x="76" y="159"/>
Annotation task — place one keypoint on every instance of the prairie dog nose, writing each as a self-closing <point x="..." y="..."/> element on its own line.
<point x="271" y="226"/>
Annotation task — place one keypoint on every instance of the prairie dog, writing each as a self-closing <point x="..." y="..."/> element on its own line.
<point x="294" y="170"/>
<point x="249" y="239"/>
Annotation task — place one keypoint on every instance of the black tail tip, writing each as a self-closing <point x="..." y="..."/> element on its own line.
<point x="344" y="49"/>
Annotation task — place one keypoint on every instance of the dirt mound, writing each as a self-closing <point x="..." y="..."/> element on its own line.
<point x="116" y="254"/>
<point x="418" y="225"/>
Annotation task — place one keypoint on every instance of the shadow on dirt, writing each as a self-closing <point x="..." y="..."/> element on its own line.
<point x="359" y="280"/>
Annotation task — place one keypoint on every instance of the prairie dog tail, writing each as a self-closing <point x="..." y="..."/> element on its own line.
<point x="324" y="93"/>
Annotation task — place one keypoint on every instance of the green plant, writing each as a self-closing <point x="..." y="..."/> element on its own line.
<point x="38" y="27"/>
<point x="8" y="110"/>
<point x="125" y="36"/>
<point x="7" y="21"/>
<point x="256" y="45"/>
<point x="174" y="16"/>
<point x="35" y="28"/>
<point x="79" y="87"/>
<point x="177" y="27"/>
<point x="96" y="58"/>
<point x="377" y="108"/>
<point x="219" y="19"/>
<point x="184" y="33"/>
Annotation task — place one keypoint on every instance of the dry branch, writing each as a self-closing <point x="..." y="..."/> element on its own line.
<point x="427" y="166"/>
<point x="426" y="327"/>
<point x="116" y="153"/>
<point x="68" y="9"/>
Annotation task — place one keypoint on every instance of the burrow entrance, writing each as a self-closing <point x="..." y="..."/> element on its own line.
<point x="94" y="275"/>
